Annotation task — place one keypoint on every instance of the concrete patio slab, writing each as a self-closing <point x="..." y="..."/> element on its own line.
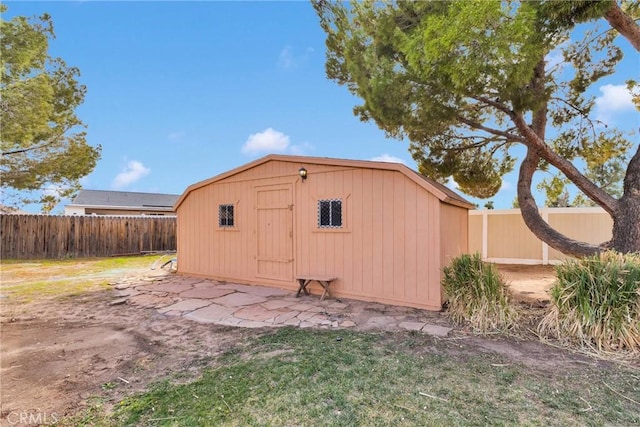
<point x="285" y="317"/>
<point x="213" y="313"/>
<point x="306" y="315"/>
<point x="301" y="307"/>
<point x="238" y="299"/>
<point x="173" y="287"/>
<point x="235" y="287"/>
<point x="262" y="291"/>
<point x="186" y="305"/>
<point x="275" y="304"/>
<point x="232" y="304"/>
<point x="256" y="312"/>
<point x="210" y="291"/>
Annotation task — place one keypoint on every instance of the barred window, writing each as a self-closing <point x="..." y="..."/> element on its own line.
<point x="225" y="215"/>
<point x="330" y="213"/>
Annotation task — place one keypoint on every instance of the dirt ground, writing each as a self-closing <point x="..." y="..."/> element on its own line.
<point x="529" y="283"/>
<point x="58" y="354"/>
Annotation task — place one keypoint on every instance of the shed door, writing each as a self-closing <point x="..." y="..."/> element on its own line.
<point x="274" y="232"/>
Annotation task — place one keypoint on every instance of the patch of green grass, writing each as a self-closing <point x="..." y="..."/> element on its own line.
<point x="310" y="377"/>
<point x="30" y="280"/>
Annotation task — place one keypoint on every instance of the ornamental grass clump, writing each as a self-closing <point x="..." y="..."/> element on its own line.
<point x="478" y="295"/>
<point x="596" y="303"/>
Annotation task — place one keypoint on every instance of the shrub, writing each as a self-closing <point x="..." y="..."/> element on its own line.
<point x="478" y="294"/>
<point x="596" y="302"/>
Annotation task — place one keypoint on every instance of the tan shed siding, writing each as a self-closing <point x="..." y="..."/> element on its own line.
<point x="376" y="254"/>
<point x="388" y="249"/>
<point x="509" y="237"/>
<point x="475" y="234"/>
<point x="410" y="239"/>
<point x="586" y="227"/>
<point x="454" y="232"/>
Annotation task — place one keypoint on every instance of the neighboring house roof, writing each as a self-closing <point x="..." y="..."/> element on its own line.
<point x="442" y="192"/>
<point x="125" y="200"/>
<point x="10" y="210"/>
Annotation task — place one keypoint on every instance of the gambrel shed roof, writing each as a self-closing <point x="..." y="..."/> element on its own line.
<point x="442" y="192"/>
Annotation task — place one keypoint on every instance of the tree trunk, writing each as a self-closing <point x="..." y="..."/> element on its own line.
<point x="534" y="221"/>
<point x="528" y="208"/>
<point x="624" y="24"/>
<point x="626" y="220"/>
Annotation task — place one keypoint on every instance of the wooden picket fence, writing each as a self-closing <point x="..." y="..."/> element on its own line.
<point x="52" y="237"/>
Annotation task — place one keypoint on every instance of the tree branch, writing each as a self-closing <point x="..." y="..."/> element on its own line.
<point x="624" y="24"/>
<point x="531" y="214"/>
<point x="596" y="194"/>
<point x="497" y="105"/>
<point x="35" y="147"/>
<point x="476" y="125"/>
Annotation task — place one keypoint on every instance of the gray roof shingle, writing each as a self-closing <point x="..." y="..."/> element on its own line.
<point x="124" y="199"/>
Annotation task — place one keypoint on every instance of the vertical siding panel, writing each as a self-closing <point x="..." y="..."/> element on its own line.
<point x="399" y="224"/>
<point x="377" y="210"/>
<point x="410" y="241"/>
<point x="369" y="229"/>
<point x="352" y="201"/>
<point x="339" y="238"/>
<point x="434" y="249"/>
<point x="313" y="242"/>
<point x="327" y="238"/>
<point x="387" y="234"/>
<point x="203" y="211"/>
<point x="303" y="230"/>
<point x="354" y="248"/>
<point x="422" y="244"/>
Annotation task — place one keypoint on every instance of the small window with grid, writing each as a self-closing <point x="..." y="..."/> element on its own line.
<point x="330" y="213"/>
<point x="225" y="216"/>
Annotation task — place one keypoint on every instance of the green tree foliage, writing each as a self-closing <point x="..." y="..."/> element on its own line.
<point x="43" y="151"/>
<point x="465" y="81"/>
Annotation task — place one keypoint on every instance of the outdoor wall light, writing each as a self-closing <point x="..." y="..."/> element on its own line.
<point x="303" y="173"/>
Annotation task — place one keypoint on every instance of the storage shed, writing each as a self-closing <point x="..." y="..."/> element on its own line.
<point x="384" y="231"/>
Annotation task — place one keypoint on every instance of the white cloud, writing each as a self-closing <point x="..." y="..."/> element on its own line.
<point x="285" y="59"/>
<point x="615" y="98"/>
<point x="452" y="184"/>
<point x="288" y="60"/>
<point x="388" y="158"/>
<point x="54" y="190"/>
<point x="267" y="141"/>
<point x="134" y="171"/>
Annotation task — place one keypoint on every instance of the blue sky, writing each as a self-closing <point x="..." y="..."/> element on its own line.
<point x="181" y="91"/>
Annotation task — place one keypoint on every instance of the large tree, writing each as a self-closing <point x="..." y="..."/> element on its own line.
<point x="468" y="81"/>
<point x="43" y="151"/>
